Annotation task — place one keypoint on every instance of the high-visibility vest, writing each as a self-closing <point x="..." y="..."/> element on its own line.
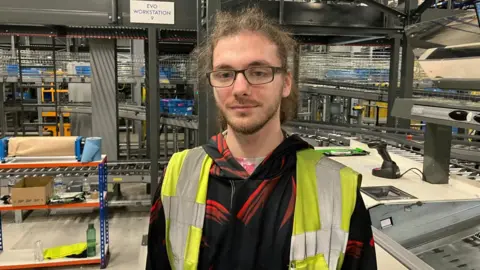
<point x="325" y="199"/>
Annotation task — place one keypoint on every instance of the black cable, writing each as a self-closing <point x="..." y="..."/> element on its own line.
<point x="414" y="169"/>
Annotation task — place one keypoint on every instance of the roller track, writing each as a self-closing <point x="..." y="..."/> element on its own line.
<point x="118" y="171"/>
<point x="372" y="91"/>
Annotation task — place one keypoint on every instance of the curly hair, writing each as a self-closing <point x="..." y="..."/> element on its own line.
<point x="252" y="19"/>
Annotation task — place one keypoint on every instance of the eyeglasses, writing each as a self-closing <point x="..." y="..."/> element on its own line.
<point x="254" y="76"/>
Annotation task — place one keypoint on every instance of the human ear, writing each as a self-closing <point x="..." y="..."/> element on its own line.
<point x="287" y="85"/>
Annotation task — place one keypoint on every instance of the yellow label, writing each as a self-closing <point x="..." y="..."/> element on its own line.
<point x="117" y="179"/>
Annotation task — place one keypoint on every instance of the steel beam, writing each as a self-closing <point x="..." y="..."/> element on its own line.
<point x="3" y="117"/>
<point x="349" y="40"/>
<point x="51" y="12"/>
<point x="202" y="87"/>
<point x="103" y="59"/>
<point x="438" y="141"/>
<point x="408" y="62"/>
<point x="372" y="95"/>
<point x="386" y="9"/>
<point x="212" y="123"/>
<point x="406" y="83"/>
<point x="458" y="84"/>
<point x="393" y="80"/>
<point x="153" y="104"/>
<point x="424" y="6"/>
<point x="313" y="30"/>
<point x="207" y="109"/>
<point x="138" y="49"/>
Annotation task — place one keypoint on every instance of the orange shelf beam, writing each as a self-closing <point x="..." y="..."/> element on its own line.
<point x="51" y="264"/>
<point x="50" y="206"/>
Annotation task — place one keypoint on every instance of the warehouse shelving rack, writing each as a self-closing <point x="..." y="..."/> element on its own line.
<point x="24" y="259"/>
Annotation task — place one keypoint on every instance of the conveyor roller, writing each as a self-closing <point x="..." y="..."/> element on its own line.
<point x="114" y="168"/>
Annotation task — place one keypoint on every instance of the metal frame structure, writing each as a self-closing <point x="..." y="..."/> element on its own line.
<point x="45" y="164"/>
<point x="374" y="23"/>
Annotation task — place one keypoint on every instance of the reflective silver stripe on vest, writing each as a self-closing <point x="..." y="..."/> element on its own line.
<point x="182" y="210"/>
<point x="330" y="240"/>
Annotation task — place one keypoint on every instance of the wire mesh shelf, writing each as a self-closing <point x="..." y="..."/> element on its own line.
<point x="177" y="67"/>
<point x="172" y="67"/>
<point x="362" y="66"/>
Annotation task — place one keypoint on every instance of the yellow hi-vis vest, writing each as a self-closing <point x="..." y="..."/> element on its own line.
<point x="325" y="200"/>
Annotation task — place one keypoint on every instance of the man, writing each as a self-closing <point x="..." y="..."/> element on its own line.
<point x="255" y="197"/>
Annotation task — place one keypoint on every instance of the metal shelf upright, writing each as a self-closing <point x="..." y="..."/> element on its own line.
<point x="23" y="259"/>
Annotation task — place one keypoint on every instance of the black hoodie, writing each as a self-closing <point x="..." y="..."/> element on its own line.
<point x="249" y="218"/>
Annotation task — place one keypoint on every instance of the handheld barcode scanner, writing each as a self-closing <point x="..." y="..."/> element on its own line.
<point x="389" y="168"/>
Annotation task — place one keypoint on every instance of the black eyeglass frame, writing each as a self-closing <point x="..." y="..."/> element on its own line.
<point x="275" y="70"/>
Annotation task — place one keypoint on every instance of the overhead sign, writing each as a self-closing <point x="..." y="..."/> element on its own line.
<point x="152" y="12"/>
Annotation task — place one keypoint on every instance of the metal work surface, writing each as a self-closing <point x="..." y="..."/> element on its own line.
<point x="439" y="216"/>
<point x="462" y="253"/>
<point x="446" y="237"/>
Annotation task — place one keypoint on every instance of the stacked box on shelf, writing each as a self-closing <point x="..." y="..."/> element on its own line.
<point x="176" y="106"/>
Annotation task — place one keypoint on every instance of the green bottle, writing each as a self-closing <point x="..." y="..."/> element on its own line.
<point x="91" y="241"/>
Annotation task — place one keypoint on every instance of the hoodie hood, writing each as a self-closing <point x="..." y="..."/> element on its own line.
<point x="281" y="159"/>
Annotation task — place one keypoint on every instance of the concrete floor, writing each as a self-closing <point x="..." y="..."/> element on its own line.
<point x="127" y="226"/>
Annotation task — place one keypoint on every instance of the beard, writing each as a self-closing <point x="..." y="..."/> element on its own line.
<point x="248" y="124"/>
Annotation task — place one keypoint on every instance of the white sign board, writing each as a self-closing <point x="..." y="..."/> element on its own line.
<point x="152" y="12"/>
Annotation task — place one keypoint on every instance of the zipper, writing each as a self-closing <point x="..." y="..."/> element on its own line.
<point x="232" y="194"/>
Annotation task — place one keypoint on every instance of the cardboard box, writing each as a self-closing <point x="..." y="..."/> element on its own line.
<point x="32" y="191"/>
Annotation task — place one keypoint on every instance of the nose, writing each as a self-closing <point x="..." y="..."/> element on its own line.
<point x="241" y="87"/>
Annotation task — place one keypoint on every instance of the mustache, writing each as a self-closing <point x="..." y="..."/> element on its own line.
<point x="243" y="102"/>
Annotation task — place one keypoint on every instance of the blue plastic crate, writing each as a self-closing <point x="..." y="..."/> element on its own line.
<point x="12" y="68"/>
<point x="341" y="74"/>
<point x="176" y="106"/>
<point x="83" y="70"/>
<point x="180" y="110"/>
